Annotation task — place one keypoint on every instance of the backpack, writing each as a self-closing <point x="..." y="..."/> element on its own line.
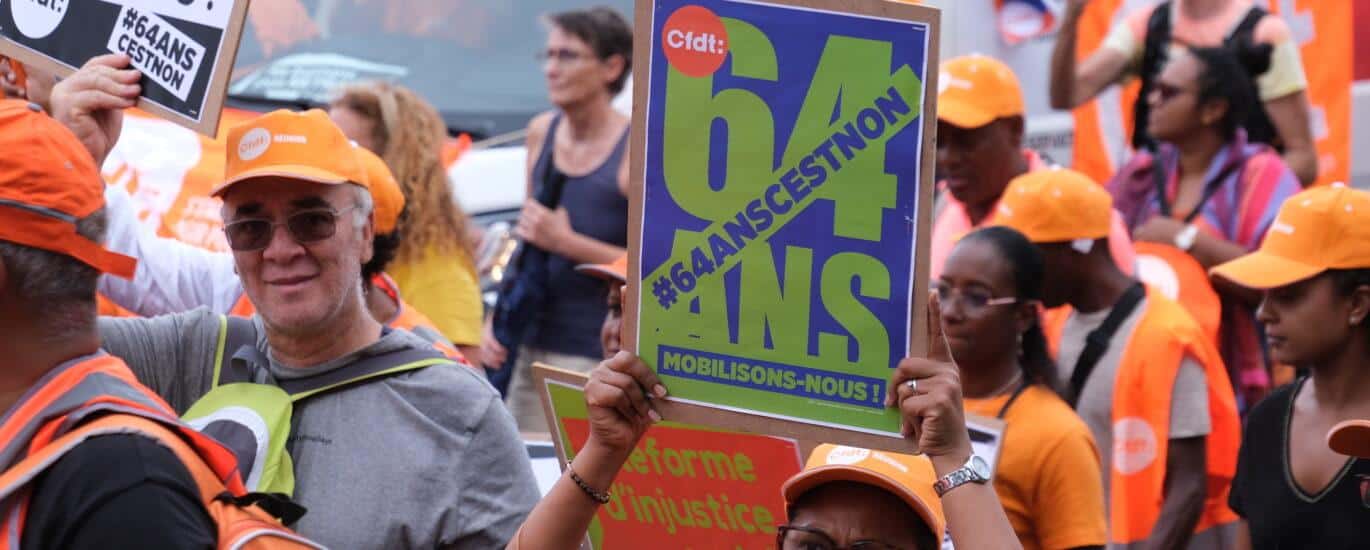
<point x="1259" y="128"/>
<point x="250" y="412"/>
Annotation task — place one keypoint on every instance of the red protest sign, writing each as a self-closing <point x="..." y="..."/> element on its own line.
<point x="695" y="488"/>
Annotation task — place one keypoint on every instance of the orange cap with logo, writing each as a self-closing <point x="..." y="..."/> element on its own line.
<point x="304" y="146"/>
<point x="1316" y="230"/>
<point x="385" y="191"/>
<point x="975" y="90"/>
<point x="48" y="182"/>
<point x="908" y="477"/>
<point x="616" y="270"/>
<point x="1056" y="205"/>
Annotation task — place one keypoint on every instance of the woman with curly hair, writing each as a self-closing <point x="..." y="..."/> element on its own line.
<point x="433" y="265"/>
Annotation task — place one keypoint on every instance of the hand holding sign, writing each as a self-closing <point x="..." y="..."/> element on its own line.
<point x="928" y="394"/>
<point x="620" y="409"/>
<point x="90" y="103"/>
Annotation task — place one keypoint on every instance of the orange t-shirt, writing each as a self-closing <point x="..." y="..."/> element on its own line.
<point x="1048" y="478"/>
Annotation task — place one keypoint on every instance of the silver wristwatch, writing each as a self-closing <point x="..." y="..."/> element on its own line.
<point x="976" y="470"/>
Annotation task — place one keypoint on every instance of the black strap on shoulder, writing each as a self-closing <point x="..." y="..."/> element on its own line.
<point x="1016" y="393"/>
<point x="1156" y="44"/>
<point x="1246" y="29"/>
<point x="240" y="336"/>
<point x="279" y="505"/>
<point x="1159" y="175"/>
<point x="1097" y="341"/>
<point x="368" y="368"/>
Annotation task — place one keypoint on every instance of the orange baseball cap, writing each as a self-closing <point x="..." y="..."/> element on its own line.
<point x="1056" y="205"/>
<point x="385" y="191"/>
<point x="616" y="270"/>
<point x="1316" y="230"/>
<point x="975" y="90"/>
<point x="1351" y="438"/>
<point x="908" y="477"/>
<point x="305" y="146"/>
<point x="48" y="181"/>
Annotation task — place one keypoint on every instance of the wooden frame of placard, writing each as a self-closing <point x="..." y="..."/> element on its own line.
<point x="215" y="92"/>
<point x="643" y="42"/>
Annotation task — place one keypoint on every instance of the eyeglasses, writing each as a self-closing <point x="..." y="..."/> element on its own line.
<point x="562" y="55"/>
<point x="306" y="226"/>
<point x="974" y="301"/>
<point x="1166" y="92"/>
<point x="795" y="537"/>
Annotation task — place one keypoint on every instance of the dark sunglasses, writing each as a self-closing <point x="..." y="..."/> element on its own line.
<point x="307" y="226"/>
<point x="1166" y="92"/>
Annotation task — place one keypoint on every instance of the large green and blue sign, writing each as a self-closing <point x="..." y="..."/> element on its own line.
<point x="784" y="155"/>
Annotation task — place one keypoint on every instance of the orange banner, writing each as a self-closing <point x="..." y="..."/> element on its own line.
<point x="1102" y="126"/>
<point x="695" y="488"/>
<point x="1326" y="44"/>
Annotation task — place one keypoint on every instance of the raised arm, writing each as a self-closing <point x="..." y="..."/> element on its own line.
<point x="935" y="418"/>
<point x="1073" y="84"/>
<point x="620" y="413"/>
<point x="172" y="276"/>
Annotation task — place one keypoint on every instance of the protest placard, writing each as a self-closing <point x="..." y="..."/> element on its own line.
<point x="683" y="486"/>
<point x="184" y="48"/>
<point x="782" y="162"/>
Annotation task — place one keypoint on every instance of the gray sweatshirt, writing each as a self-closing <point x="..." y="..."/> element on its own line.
<point x="422" y="459"/>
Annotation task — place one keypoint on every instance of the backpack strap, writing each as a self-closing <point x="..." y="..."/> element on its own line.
<point x="369" y="368"/>
<point x="1156" y="45"/>
<point x="1246" y="29"/>
<point x="1096" y="343"/>
<point x="237" y="336"/>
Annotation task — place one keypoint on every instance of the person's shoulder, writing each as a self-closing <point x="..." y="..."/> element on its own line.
<point x="1137" y="20"/>
<point x="1270" y="411"/>
<point x="1052" y="420"/>
<point x="539" y="124"/>
<point x="1271" y="29"/>
<point x="447" y="389"/>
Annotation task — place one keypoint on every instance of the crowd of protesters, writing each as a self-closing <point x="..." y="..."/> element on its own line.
<point x="325" y="381"/>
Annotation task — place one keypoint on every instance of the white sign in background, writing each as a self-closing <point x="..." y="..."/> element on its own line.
<point x="161" y="51"/>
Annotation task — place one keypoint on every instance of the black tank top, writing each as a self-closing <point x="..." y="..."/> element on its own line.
<point x="575" y="307"/>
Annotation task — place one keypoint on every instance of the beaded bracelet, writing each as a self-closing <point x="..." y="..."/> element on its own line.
<point x="602" y="498"/>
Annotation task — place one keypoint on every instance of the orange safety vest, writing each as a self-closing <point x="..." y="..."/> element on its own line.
<point x="407" y="318"/>
<point x="1164" y="336"/>
<point x="1180" y="278"/>
<point x="97" y="396"/>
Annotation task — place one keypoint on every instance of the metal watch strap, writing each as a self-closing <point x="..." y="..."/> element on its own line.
<point x="961" y="476"/>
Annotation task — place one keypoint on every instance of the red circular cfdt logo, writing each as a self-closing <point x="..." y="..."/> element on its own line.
<point x="694" y="41"/>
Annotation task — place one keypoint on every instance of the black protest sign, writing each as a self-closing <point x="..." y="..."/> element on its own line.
<point x="184" y="48"/>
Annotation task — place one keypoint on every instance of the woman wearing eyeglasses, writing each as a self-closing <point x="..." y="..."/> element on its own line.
<point x="577" y="206"/>
<point x="1313" y="271"/>
<point x="1048" y="476"/>
<point x="1207" y="191"/>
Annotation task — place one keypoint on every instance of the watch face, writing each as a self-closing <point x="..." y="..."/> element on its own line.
<point x="980" y="467"/>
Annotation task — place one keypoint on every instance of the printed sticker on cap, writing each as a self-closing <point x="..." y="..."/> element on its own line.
<point x="253" y="144"/>
<point x="844" y="456"/>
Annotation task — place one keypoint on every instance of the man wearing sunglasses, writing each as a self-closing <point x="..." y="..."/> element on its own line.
<point x="426" y="457"/>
